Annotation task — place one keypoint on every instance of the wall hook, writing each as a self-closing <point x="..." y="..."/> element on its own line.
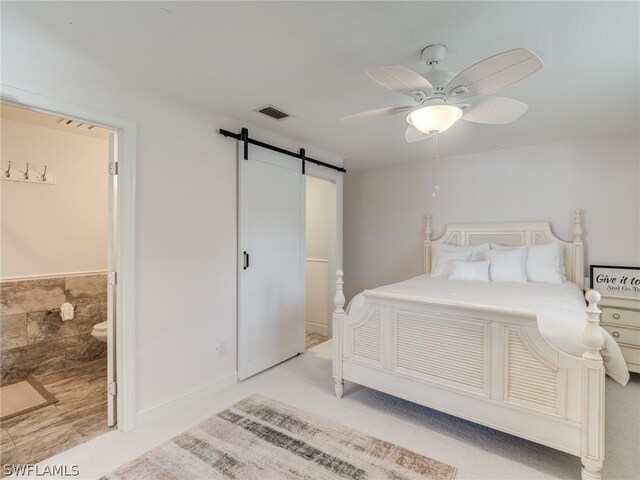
<point x="26" y="174"/>
<point x="7" y="173"/>
<point x="44" y="175"/>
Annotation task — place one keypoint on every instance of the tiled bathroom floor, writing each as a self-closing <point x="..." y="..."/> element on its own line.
<point x="79" y="414"/>
<point x="314" y="338"/>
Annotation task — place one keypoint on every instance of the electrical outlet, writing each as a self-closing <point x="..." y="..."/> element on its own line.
<point x="220" y="349"/>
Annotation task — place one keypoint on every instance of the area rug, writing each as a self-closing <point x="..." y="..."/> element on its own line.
<point x="22" y="397"/>
<point x="260" y="438"/>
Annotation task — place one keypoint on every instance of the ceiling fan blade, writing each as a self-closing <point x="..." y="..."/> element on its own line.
<point x="380" y="112"/>
<point x="400" y="79"/>
<point x="495" y="73"/>
<point x="493" y="110"/>
<point x="412" y="134"/>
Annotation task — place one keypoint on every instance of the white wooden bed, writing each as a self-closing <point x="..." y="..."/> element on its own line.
<point x="518" y="383"/>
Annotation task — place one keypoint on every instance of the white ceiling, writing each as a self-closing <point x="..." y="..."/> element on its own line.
<point x="310" y="60"/>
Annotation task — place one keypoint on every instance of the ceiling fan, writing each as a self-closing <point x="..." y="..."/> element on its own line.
<point x="442" y="98"/>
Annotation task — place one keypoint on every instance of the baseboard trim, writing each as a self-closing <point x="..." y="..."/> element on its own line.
<point x="316" y="327"/>
<point x="173" y="405"/>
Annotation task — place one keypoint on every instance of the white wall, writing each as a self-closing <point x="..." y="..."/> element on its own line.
<point x="321" y="218"/>
<point x="53" y="229"/>
<point x="384" y="207"/>
<point x="185" y="217"/>
<point x="320" y="252"/>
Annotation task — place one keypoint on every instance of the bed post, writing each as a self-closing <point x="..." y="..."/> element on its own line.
<point x="338" y="317"/>
<point x="578" y="250"/>
<point x="427" y="244"/>
<point x="592" y="392"/>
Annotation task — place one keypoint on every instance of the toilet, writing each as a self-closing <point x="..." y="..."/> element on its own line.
<point x="99" y="331"/>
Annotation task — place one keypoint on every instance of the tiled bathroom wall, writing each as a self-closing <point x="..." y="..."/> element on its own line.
<point x="33" y="341"/>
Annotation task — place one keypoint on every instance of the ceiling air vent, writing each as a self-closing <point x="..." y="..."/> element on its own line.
<point x="75" y="124"/>
<point x="273" y="112"/>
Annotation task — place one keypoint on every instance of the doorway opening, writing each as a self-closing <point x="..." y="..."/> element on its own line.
<point x="57" y="276"/>
<point x="320" y="259"/>
<point x="272" y="227"/>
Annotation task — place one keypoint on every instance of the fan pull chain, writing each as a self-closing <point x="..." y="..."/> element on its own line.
<point x="436" y="186"/>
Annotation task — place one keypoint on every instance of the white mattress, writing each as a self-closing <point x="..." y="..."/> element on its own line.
<point x="560" y="310"/>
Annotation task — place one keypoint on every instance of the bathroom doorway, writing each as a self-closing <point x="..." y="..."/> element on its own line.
<point x="57" y="279"/>
<point x="320" y="258"/>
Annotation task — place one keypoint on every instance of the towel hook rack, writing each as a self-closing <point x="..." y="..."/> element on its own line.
<point x="44" y="175"/>
<point x="26" y="174"/>
<point x="7" y="172"/>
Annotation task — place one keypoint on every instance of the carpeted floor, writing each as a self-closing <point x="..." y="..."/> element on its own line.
<point x="305" y="382"/>
<point x="260" y="438"/>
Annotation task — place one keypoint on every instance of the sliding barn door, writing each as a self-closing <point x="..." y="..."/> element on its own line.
<point x="271" y="260"/>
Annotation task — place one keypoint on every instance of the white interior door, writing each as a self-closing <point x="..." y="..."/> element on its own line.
<point x="271" y="260"/>
<point x="111" y="283"/>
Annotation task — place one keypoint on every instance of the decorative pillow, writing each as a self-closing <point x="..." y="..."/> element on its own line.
<point x="507" y="265"/>
<point x="470" y="271"/>
<point x="544" y="263"/>
<point x="477" y="251"/>
<point x="443" y="259"/>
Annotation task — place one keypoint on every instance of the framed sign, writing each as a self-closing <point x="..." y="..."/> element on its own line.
<point x="616" y="280"/>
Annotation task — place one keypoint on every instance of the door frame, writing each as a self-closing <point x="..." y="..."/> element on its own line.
<point x="335" y="177"/>
<point x="126" y="131"/>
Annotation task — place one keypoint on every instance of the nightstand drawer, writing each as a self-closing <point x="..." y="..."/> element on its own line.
<point x="631" y="355"/>
<point x="624" y="335"/>
<point x="620" y="316"/>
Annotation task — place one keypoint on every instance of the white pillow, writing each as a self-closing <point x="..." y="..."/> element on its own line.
<point x="507" y="265"/>
<point x="470" y="271"/>
<point x="477" y="251"/>
<point x="443" y="259"/>
<point x="544" y="263"/>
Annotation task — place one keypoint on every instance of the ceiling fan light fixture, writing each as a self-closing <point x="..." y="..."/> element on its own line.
<point x="434" y="118"/>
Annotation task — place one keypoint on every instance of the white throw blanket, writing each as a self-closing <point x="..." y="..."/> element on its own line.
<point x="560" y="310"/>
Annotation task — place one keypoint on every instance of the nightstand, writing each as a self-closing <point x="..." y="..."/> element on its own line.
<point x="621" y="318"/>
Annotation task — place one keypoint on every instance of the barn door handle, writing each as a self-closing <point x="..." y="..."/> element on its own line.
<point x="246" y="260"/>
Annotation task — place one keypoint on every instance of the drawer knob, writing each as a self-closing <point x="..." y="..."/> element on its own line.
<point x="615" y="334"/>
<point x="616" y="316"/>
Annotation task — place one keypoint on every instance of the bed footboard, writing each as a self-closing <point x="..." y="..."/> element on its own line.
<point x="592" y="452"/>
<point x="487" y="365"/>
<point x="338" y="323"/>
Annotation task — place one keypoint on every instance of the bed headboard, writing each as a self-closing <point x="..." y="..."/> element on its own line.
<point x="515" y="234"/>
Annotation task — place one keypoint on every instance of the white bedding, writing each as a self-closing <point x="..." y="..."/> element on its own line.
<point x="560" y="310"/>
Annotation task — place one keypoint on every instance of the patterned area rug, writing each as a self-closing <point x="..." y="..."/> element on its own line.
<point x="259" y="438"/>
<point x="22" y="397"/>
